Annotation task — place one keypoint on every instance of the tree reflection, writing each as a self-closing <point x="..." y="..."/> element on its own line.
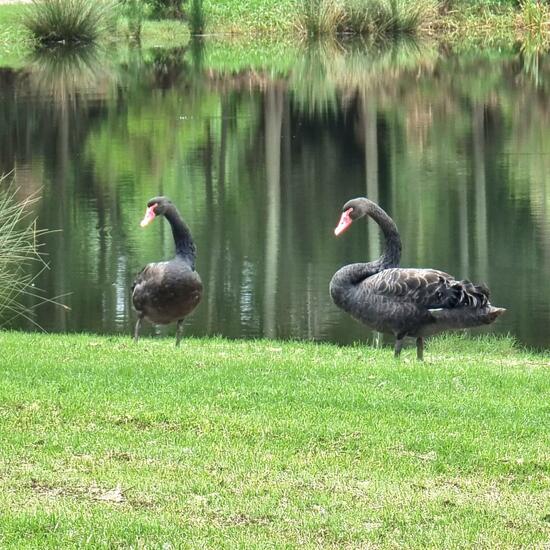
<point x="260" y="161"/>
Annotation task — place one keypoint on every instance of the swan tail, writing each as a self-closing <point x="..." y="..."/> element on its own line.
<point x="466" y="316"/>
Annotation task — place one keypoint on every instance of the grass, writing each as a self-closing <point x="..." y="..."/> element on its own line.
<point x="456" y="22"/>
<point x="262" y="444"/>
<point x="19" y="247"/>
<point x="70" y="21"/>
<point x="375" y="18"/>
<point x="16" y="42"/>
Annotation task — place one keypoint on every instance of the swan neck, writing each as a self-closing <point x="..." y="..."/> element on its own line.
<point x="185" y="247"/>
<point x="392" y="250"/>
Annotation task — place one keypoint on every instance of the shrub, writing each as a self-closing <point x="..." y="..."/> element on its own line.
<point x="52" y="21"/>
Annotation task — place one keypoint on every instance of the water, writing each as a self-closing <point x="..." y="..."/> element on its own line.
<point x="260" y="160"/>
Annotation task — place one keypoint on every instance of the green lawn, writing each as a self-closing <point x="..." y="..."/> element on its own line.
<point x="260" y="444"/>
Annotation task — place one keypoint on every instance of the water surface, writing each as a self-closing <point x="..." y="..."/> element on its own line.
<point x="259" y="159"/>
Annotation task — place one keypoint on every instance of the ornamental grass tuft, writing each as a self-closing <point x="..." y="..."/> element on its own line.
<point x="70" y="21"/>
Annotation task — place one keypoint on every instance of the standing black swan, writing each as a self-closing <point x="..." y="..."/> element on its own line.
<point x="165" y="292"/>
<point x="404" y="301"/>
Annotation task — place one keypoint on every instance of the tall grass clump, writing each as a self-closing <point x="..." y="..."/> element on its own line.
<point x="321" y="17"/>
<point x="535" y="17"/>
<point x="386" y="17"/>
<point x="75" y="21"/>
<point x="374" y="18"/>
<point x="18" y="248"/>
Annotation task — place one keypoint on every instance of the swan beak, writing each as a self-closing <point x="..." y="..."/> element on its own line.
<point x="344" y="223"/>
<point x="149" y="216"/>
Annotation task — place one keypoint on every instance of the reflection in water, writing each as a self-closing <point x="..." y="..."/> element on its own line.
<point x="454" y="147"/>
<point x="61" y="73"/>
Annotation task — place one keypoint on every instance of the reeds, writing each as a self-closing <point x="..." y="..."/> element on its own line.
<point x="19" y="248"/>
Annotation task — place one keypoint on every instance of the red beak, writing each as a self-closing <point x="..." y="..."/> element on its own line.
<point x="344" y="223"/>
<point x="149" y="215"/>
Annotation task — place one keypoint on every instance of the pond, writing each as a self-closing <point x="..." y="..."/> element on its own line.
<point x="259" y="150"/>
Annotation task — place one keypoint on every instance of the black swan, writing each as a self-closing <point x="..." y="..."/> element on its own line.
<point x="165" y="292"/>
<point x="404" y="301"/>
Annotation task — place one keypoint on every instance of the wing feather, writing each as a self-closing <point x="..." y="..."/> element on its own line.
<point x="428" y="288"/>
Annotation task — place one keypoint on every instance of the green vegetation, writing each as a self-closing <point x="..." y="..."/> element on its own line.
<point x="263" y="444"/>
<point x="18" y="246"/>
<point x="70" y="21"/>
<point x="458" y="22"/>
<point x="376" y="18"/>
<point x="17" y="42"/>
<point x="455" y="21"/>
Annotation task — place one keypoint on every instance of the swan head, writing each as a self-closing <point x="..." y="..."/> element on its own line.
<point x="351" y="211"/>
<point x="157" y="206"/>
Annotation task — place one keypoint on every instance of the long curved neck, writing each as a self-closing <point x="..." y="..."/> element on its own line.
<point x="355" y="273"/>
<point x="392" y="250"/>
<point x="185" y="247"/>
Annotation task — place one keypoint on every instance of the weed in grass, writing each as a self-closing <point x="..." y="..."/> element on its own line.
<point x="51" y="21"/>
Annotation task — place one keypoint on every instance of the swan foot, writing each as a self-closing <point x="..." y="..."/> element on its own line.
<point x="138" y="326"/>
<point x="398" y="346"/>
<point x="420" y="348"/>
<point x="179" y="332"/>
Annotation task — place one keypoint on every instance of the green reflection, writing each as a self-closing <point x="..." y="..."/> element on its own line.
<point x="260" y="152"/>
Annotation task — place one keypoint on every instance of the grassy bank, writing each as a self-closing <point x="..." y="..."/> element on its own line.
<point x="16" y="42"/>
<point x="267" y="444"/>
<point x="454" y="21"/>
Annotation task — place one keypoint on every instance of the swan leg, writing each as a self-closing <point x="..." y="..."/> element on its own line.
<point x="138" y="326"/>
<point x="420" y="348"/>
<point x="398" y="346"/>
<point x="179" y="332"/>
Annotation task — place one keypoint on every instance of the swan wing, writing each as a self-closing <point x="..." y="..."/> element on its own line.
<point x="428" y="288"/>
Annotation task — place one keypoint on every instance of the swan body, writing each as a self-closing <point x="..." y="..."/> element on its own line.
<point x="405" y="301"/>
<point x="166" y="292"/>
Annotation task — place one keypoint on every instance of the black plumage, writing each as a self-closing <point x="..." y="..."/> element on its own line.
<point x="404" y="301"/>
<point x="166" y="292"/>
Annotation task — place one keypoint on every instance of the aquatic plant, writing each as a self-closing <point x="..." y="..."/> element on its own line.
<point x="53" y="21"/>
